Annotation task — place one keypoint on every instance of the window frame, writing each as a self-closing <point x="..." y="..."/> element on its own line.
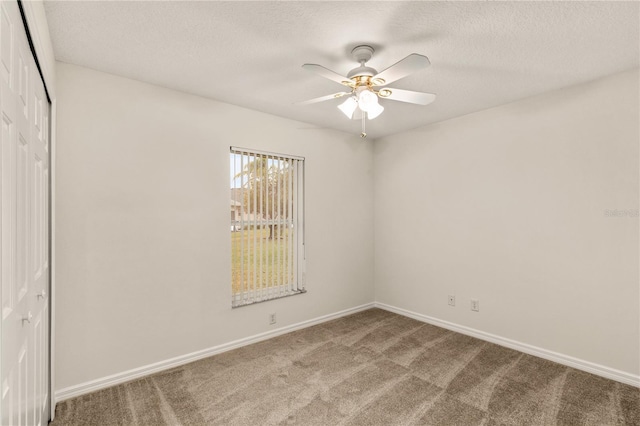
<point x="287" y="198"/>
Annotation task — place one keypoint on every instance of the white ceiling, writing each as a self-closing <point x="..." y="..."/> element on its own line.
<point x="250" y="54"/>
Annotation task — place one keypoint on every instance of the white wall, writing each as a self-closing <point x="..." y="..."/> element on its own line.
<point x="143" y="262"/>
<point x="507" y="206"/>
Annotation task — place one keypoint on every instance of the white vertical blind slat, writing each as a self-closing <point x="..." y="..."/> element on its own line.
<point x="290" y="224"/>
<point x="242" y="279"/>
<point x="279" y="242"/>
<point x="272" y="232"/>
<point x="302" y="244"/>
<point x="295" y="223"/>
<point x="253" y="211"/>
<point x="235" y="216"/>
<point x="287" y="181"/>
<point x="285" y="227"/>
<point x="259" y="229"/>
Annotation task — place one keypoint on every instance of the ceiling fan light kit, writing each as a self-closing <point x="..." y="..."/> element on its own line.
<point x="365" y="83"/>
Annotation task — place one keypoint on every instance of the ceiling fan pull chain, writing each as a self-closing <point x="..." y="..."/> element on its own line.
<point x="363" y="134"/>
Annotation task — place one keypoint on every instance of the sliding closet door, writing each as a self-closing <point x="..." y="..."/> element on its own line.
<point x="24" y="230"/>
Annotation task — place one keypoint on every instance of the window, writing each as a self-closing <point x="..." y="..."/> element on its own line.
<point x="267" y="226"/>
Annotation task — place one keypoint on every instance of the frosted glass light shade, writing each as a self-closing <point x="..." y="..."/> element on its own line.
<point x="367" y="100"/>
<point x="374" y="111"/>
<point x="348" y="106"/>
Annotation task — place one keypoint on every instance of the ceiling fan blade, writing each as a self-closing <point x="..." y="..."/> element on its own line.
<point x="326" y="73"/>
<point x="420" y="98"/>
<point x="322" y="98"/>
<point x="403" y="68"/>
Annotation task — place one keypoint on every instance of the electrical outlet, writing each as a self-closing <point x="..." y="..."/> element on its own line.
<point x="272" y="318"/>
<point x="452" y="300"/>
<point x="475" y="305"/>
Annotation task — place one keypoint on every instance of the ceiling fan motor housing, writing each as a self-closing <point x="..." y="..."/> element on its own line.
<point x="362" y="72"/>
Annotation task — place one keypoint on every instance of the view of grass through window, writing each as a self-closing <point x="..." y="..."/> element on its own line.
<point x="264" y="219"/>
<point x="270" y="260"/>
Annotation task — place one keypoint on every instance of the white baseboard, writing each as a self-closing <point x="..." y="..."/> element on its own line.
<point x="579" y="364"/>
<point x="125" y="376"/>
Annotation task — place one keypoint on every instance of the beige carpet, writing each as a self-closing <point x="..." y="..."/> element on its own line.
<point x="371" y="368"/>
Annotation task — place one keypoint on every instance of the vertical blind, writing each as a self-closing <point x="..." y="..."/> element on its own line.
<point x="267" y="203"/>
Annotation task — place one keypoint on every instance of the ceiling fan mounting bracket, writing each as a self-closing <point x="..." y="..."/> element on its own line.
<point x="362" y="53"/>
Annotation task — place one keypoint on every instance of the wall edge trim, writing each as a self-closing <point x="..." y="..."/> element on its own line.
<point x="136" y="373"/>
<point x="569" y="361"/>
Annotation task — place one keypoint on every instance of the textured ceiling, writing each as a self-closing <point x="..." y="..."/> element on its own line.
<point x="250" y="54"/>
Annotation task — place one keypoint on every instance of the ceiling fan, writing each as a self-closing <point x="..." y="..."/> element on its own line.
<point x="367" y="85"/>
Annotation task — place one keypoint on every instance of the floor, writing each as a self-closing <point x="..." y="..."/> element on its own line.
<point x="370" y="368"/>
